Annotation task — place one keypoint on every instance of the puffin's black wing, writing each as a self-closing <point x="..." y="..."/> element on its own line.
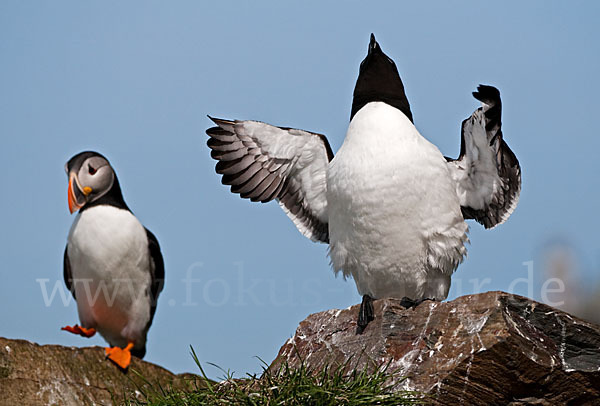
<point x="262" y="162"/>
<point x="157" y="281"/>
<point x="157" y="272"/>
<point x="487" y="173"/>
<point x="67" y="272"/>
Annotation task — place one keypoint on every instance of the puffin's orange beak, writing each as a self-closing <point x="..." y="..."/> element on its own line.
<point x="76" y="196"/>
<point x="72" y="205"/>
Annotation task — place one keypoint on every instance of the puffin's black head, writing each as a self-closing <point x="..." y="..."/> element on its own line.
<point x="90" y="178"/>
<point x="378" y="80"/>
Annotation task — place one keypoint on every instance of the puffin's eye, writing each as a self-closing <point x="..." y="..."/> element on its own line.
<point x="91" y="170"/>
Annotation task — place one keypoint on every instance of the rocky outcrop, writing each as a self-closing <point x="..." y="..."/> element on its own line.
<point x="486" y="349"/>
<point x="32" y="374"/>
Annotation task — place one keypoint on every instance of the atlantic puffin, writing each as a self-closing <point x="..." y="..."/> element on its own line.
<point x="113" y="265"/>
<point x="391" y="207"/>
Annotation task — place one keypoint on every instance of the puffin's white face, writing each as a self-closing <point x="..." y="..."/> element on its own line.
<point x="89" y="179"/>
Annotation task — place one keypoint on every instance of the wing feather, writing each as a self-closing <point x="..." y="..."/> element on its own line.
<point x="262" y="162"/>
<point x="487" y="172"/>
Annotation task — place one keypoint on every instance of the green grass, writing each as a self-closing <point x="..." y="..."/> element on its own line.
<point x="287" y="386"/>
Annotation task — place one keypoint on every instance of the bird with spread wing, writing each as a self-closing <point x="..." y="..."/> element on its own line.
<point x="391" y="207"/>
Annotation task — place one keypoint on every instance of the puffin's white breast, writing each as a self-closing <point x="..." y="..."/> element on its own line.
<point x="390" y="199"/>
<point x="109" y="258"/>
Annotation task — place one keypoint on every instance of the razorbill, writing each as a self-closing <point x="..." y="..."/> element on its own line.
<point x="390" y="205"/>
<point x="112" y="264"/>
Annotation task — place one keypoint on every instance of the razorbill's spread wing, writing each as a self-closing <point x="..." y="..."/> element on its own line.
<point x="390" y="205"/>
<point x="262" y="162"/>
<point x="487" y="172"/>
<point x="112" y="264"/>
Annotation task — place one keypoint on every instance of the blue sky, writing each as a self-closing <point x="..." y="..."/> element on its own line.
<point x="135" y="80"/>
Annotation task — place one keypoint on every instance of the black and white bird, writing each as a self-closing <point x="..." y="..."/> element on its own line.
<point x="390" y="205"/>
<point x="112" y="264"/>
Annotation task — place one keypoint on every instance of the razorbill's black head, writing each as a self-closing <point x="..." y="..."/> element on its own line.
<point x="379" y="80"/>
<point x="92" y="181"/>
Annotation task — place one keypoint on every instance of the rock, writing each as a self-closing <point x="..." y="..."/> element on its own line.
<point x="491" y="348"/>
<point x="32" y="374"/>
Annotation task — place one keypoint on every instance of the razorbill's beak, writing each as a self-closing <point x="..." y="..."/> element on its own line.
<point x="373" y="44"/>
<point x="77" y="195"/>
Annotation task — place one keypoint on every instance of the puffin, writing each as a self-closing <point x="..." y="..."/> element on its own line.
<point x="113" y="265"/>
<point x="390" y="205"/>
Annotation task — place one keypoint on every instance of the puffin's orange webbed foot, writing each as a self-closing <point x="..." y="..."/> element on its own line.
<point x="82" y="331"/>
<point x="120" y="356"/>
